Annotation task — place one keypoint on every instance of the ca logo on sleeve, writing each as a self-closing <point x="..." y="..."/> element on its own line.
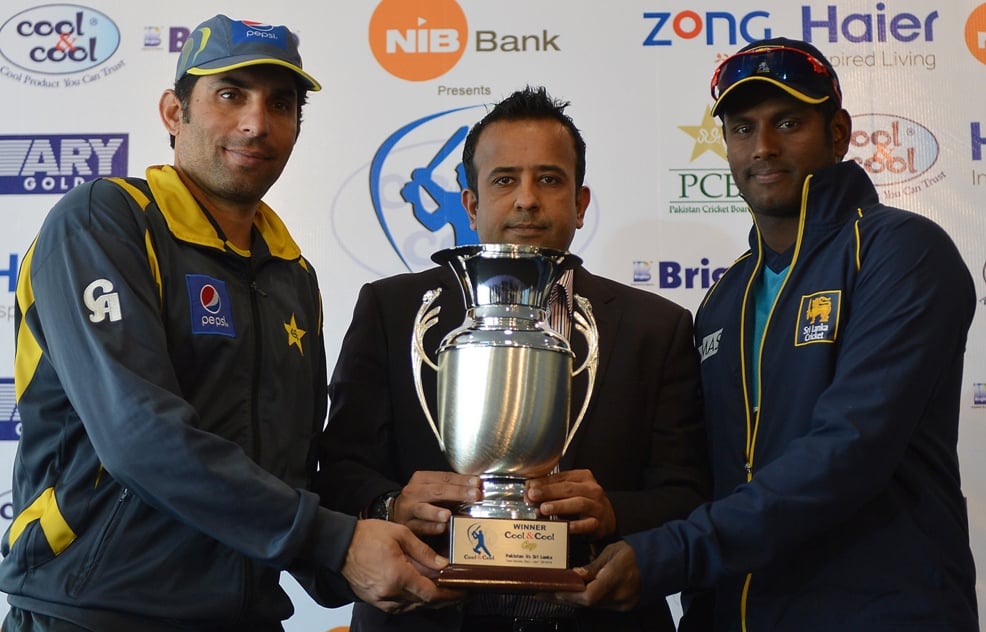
<point x="101" y="301"/>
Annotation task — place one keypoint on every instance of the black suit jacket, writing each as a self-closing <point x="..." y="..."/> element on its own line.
<point x="642" y="436"/>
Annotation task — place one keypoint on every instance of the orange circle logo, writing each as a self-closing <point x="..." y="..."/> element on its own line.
<point x="418" y="40"/>
<point x="975" y="33"/>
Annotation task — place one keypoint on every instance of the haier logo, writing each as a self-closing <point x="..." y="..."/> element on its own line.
<point x="719" y="27"/>
<point x="55" y="164"/>
<point x="58" y="39"/>
<point x="866" y="27"/>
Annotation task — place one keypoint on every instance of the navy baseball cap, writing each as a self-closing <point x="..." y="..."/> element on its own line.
<point x="220" y="44"/>
<point x="794" y="66"/>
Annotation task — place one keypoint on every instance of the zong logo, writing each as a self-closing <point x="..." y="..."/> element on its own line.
<point x="719" y="27"/>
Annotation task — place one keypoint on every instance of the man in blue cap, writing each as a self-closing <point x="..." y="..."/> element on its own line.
<point x="171" y="380"/>
<point x="832" y="356"/>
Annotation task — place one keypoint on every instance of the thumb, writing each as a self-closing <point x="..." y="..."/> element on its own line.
<point x="420" y="552"/>
<point x="585" y="573"/>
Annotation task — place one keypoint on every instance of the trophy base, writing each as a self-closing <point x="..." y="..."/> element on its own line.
<point x="509" y="579"/>
<point x="509" y="555"/>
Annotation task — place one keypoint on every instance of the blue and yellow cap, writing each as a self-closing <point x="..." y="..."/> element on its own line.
<point x="220" y="44"/>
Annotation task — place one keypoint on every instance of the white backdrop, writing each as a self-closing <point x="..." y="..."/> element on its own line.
<point x="80" y="84"/>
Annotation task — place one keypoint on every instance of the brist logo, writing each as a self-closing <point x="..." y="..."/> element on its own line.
<point x="975" y="33"/>
<point x="58" y="39"/>
<point x="420" y="40"/>
<point x="891" y="148"/>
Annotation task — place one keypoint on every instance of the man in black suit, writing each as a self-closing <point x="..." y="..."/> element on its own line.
<point x="639" y="458"/>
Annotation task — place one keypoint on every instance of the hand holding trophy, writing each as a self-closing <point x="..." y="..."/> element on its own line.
<point x="504" y="393"/>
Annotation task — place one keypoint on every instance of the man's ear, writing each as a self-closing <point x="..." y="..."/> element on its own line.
<point x="841" y="127"/>
<point x="582" y="198"/>
<point x="169" y="108"/>
<point x="471" y="203"/>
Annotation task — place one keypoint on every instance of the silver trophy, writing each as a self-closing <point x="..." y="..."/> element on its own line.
<point x="504" y="376"/>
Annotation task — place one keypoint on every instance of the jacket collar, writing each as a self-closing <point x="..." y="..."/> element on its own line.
<point x="187" y="221"/>
<point x="830" y="197"/>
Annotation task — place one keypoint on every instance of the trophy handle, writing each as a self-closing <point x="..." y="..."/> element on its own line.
<point x="424" y="320"/>
<point x="585" y="323"/>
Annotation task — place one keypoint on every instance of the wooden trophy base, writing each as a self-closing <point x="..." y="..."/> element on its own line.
<point x="509" y="555"/>
<point x="510" y="579"/>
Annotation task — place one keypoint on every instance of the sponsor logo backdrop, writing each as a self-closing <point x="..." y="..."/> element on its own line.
<point x="373" y="187"/>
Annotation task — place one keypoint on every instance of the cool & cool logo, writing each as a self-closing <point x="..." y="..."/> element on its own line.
<point x="891" y="148"/>
<point x="58" y="39"/>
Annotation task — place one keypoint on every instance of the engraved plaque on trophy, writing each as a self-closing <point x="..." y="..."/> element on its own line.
<point x="504" y="392"/>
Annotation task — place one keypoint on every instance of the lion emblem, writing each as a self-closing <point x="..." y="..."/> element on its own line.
<point x="819" y="310"/>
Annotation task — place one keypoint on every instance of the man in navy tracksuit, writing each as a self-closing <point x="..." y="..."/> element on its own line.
<point x="832" y="357"/>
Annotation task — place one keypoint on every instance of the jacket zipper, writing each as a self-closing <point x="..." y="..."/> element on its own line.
<point x="92" y="561"/>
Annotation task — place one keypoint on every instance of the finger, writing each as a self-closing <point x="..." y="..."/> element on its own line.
<point x="421" y="553"/>
<point x="429" y="512"/>
<point x="426" y="527"/>
<point x="576" y="506"/>
<point x="583" y="526"/>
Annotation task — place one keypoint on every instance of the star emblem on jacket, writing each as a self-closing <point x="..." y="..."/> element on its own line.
<point x="295" y="334"/>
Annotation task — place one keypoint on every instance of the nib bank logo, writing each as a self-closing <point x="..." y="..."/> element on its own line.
<point x="975" y="33"/>
<point x="419" y="40"/>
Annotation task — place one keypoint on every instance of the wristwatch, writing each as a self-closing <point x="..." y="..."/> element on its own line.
<point x="379" y="508"/>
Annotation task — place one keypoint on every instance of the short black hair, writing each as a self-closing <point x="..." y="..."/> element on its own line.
<point x="529" y="103"/>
